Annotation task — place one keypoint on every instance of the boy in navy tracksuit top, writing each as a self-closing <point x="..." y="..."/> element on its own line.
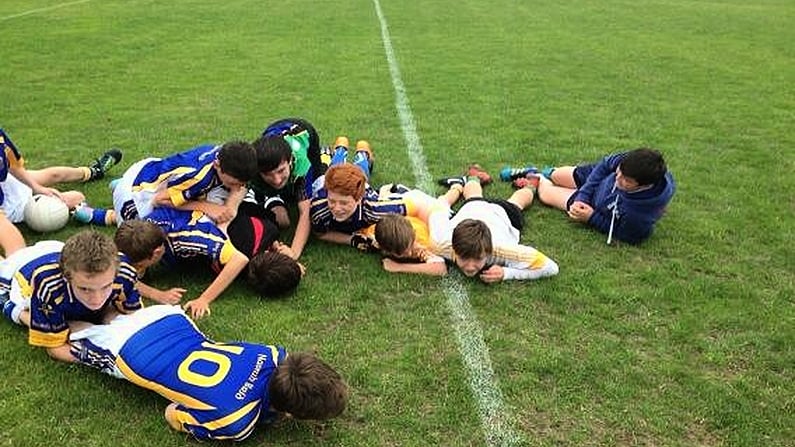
<point x="623" y="195"/>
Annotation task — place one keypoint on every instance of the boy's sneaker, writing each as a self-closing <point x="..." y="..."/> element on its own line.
<point x="507" y="174"/>
<point x="83" y="213"/>
<point x="475" y="170"/>
<point x="342" y="142"/>
<point x="5" y="141"/>
<point x="102" y="164"/>
<point x="450" y="181"/>
<point x="529" y="181"/>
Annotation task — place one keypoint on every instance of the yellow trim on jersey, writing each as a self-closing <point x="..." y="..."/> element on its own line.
<point x="26" y="287"/>
<point x="14" y="160"/>
<point x="227" y="252"/>
<point x="168" y="393"/>
<point x="48" y="339"/>
<point x="242" y="434"/>
<point x="189" y="233"/>
<point x="181" y="418"/>
<point x="195" y="215"/>
<point x="175" y="192"/>
<point x="232" y="417"/>
<point x="151" y="186"/>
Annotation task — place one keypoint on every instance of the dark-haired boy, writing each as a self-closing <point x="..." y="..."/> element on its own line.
<point x="289" y="159"/>
<point x="218" y="391"/>
<point x="482" y="238"/>
<point x="623" y="196"/>
<point x="192" y="237"/>
<point x="180" y="181"/>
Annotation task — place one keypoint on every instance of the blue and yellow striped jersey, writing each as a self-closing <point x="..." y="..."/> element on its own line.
<point x="53" y="302"/>
<point x="191" y="235"/>
<point x="188" y="175"/>
<point x="367" y="212"/>
<point x="221" y="389"/>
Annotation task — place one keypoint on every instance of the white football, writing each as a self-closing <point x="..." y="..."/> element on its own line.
<point x="46" y="213"/>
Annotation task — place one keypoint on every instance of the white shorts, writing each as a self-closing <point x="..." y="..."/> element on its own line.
<point x="124" y="197"/>
<point x="11" y="265"/>
<point x="17" y="195"/>
<point x="111" y="337"/>
<point x="114" y="335"/>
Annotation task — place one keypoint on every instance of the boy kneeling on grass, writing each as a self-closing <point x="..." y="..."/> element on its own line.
<point x="218" y="391"/>
<point x="482" y="238"/>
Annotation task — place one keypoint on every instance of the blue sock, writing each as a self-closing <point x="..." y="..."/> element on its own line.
<point x="98" y="216"/>
<point x="360" y="159"/>
<point x="8" y="307"/>
<point x="339" y="156"/>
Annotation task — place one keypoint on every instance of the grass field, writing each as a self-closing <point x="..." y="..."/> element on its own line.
<point x="687" y="340"/>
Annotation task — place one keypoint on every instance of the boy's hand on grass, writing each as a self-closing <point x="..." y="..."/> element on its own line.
<point x="171" y="296"/>
<point x="198" y="308"/>
<point x="492" y="274"/>
<point x="363" y="243"/>
<point x="390" y="265"/>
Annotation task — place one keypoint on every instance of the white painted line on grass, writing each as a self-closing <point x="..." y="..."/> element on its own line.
<point x="48" y="8"/>
<point x="404" y="111"/>
<point x="497" y="426"/>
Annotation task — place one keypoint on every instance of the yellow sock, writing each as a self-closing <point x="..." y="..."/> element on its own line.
<point x="86" y="173"/>
<point x="110" y="218"/>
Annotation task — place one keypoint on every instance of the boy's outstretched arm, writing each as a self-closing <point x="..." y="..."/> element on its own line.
<point x="519" y="262"/>
<point x="423" y="268"/>
<point x="62" y="353"/>
<point x="302" y="228"/>
<point x="201" y="305"/>
<point x="335" y="237"/>
<point x="170" y="296"/>
<point x="24" y="176"/>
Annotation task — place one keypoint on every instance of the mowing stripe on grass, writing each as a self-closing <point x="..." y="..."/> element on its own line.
<point x="48" y="8"/>
<point x="497" y="426"/>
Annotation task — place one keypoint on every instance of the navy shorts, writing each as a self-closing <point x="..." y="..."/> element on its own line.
<point x="580" y="175"/>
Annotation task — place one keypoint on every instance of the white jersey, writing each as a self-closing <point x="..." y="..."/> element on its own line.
<point x="493" y="215"/>
<point x="519" y="261"/>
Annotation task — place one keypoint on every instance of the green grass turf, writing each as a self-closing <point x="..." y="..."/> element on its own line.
<point x="686" y="340"/>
